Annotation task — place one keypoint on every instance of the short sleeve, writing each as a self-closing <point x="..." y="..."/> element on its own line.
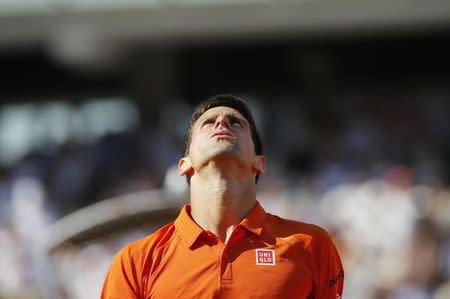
<point x="121" y="280"/>
<point x="330" y="272"/>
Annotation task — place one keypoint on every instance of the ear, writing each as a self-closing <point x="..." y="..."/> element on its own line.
<point x="185" y="167"/>
<point x="260" y="164"/>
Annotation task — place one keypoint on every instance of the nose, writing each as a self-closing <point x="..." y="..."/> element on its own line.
<point x="222" y="120"/>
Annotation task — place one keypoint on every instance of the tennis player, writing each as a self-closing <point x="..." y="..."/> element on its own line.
<point x="224" y="244"/>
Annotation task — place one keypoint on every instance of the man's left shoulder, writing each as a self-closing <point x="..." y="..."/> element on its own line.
<point x="300" y="230"/>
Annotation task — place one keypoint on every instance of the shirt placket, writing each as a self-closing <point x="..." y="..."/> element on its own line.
<point x="227" y="256"/>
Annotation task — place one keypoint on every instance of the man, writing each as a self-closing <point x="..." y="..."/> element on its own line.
<point x="224" y="245"/>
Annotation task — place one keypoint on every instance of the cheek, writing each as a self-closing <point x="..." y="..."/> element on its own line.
<point x="248" y="144"/>
<point x="197" y="142"/>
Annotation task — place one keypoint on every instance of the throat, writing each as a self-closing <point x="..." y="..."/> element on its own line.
<point x="220" y="207"/>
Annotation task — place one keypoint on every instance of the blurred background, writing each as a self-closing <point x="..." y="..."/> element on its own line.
<point x="352" y="99"/>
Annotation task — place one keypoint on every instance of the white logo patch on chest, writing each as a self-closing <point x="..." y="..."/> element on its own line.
<point x="265" y="257"/>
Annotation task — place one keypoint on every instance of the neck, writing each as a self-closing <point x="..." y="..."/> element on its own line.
<point x="219" y="203"/>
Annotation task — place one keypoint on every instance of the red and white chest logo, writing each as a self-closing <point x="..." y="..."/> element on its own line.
<point x="265" y="257"/>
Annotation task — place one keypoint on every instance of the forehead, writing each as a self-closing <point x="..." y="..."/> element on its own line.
<point x="221" y="110"/>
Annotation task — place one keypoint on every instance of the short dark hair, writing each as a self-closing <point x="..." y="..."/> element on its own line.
<point x="226" y="100"/>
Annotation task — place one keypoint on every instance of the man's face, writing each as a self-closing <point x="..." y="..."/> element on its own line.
<point x="219" y="133"/>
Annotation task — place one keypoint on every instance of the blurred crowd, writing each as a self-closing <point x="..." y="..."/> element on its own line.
<point x="374" y="170"/>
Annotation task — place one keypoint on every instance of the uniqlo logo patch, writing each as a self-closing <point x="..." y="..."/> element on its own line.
<point x="265" y="257"/>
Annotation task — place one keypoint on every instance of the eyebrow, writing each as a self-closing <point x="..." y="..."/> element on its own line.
<point x="232" y="116"/>
<point x="236" y="118"/>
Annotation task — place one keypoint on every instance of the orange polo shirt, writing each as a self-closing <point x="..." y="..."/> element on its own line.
<point x="265" y="257"/>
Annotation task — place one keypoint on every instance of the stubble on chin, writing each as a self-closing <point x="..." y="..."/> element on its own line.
<point x="222" y="149"/>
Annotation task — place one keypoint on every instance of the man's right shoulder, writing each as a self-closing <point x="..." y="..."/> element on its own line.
<point x="151" y="243"/>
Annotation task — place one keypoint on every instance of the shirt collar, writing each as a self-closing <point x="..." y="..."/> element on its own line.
<point x="186" y="226"/>
<point x="191" y="231"/>
<point x="254" y="221"/>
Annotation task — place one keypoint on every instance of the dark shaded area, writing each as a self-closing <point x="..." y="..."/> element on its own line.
<point x="316" y="66"/>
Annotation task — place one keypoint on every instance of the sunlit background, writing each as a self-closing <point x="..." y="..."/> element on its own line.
<point x="352" y="99"/>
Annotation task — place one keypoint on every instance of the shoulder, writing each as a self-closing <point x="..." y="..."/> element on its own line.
<point x="144" y="247"/>
<point x="310" y="235"/>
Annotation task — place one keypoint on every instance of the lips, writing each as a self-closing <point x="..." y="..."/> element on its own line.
<point x="223" y="133"/>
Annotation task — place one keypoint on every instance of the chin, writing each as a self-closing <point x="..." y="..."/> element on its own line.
<point x="222" y="153"/>
<point x="225" y="149"/>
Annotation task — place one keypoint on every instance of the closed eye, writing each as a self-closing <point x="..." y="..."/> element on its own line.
<point x="208" y="121"/>
<point x="235" y="120"/>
